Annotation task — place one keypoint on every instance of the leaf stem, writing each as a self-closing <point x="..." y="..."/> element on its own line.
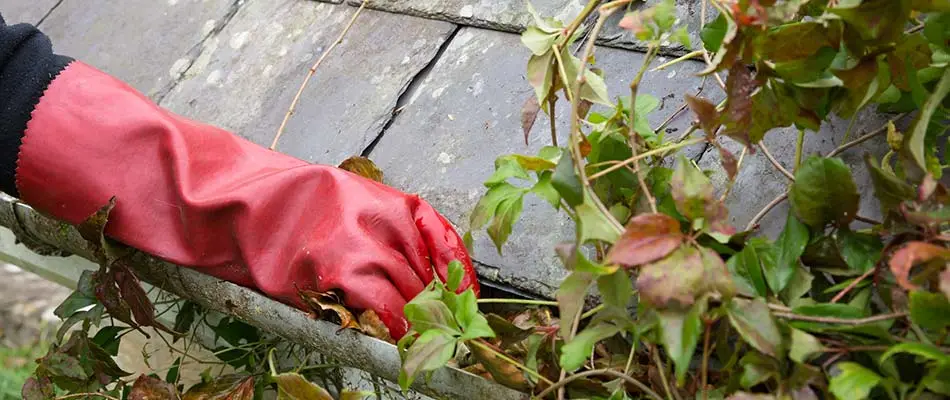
<point x="646" y="154"/>
<point x="661" y="369"/>
<point x="552" y="101"/>
<point x="518" y="301"/>
<point x="607" y="372"/>
<point x="864" y="138"/>
<point x="765" y="210"/>
<point x="484" y="346"/>
<point x="775" y="163"/>
<point x="852" y="285"/>
<point x="632" y="135"/>
<point x="592" y="311"/>
<point x="798" y="149"/>
<point x="687" y="56"/>
<point x="839" y="321"/>
<point x="576" y="23"/>
<point x="313" y="69"/>
<point x="705" y="367"/>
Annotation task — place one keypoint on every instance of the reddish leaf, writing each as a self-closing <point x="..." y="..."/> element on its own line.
<point x="108" y="294"/>
<point x="634" y="22"/>
<point x="501" y="371"/>
<point x="728" y="161"/>
<point x="706" y="113"/>
<point x="585" y="146"/>
<point x="151" y="388"/>
<point x="529" y="113"/>
<point x="738" y="113"/>
<point x="136" y="298"/>
<point x="37" y="388"/>
<point x="914" y="252"/>
<point x="684" y="276"/>
<point x="291" y="386"/>
<point x="647" y="238"/>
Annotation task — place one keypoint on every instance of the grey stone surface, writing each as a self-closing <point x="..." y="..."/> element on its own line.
<point x="758" y="182"/>
<point x="247" y="75"/>
<point x="28" y="11"/>
<point x="513" y="16"/>
<point x="145" y="43"/>
<point x="467" y="112"/>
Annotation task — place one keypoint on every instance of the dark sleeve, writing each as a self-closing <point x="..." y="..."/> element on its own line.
<point x="27" y="66"/>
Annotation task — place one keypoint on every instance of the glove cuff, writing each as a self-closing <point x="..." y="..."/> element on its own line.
<point x="27" y="66"/>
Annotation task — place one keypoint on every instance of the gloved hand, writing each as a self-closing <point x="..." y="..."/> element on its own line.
<point x="202" y="197"/>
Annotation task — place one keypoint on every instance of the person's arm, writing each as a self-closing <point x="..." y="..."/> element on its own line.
<point x="73" y="137"/>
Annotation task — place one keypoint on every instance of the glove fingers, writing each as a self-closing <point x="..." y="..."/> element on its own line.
<point x="444" y="245"/>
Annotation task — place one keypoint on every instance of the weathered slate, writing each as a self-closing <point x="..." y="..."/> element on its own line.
<point x="513" y="16"/>
<point x="467" y="112"/>
<point x="246" y="76"/>
<point x="758" y="181"/>
<point x="145" y="43"/>
<point x="28" y="11"/>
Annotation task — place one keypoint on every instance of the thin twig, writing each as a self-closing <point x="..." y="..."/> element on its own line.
<point x="688" y="56"/>
<point x="705" y="370"/>
<point x="608" y="372"/>
<point x="775" y="162"/>
<point x="661" y="369"/>
<point x="867" y="220"/>
<point x="839" y="321"/>
<point x="702" y="24"/>
<point x="605" y="11"/>
<point x="799" y="144"/>
<point x="518" y="301"/>
<point x="864" y="138"/>
<point x="645" y="155"/>
<point x="852" y="285"/>
<point x="765" y="210"/>
<point x="313" y="69"/>
<point x="552" y="101"/>
<point x="632" y="135"/>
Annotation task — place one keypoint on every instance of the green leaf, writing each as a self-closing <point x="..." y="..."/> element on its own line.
<point x="938" y="380"/>
<point x="798" y="286"/>
<point x="714" y="32"/>
<point x="173" y="372"/>
<point x="488" y="205"/>
<point x="506" y="215"/>
<point x="541" y="71"/>
<point x="914" y="146"/>
<point x="756" y="369"/>
<point x="788" y="248"/>
<point x="853" y="382"/>
<point x="65" y="365"/>
<point x="824" y="192"/>
<point x="538" y="40"/>
<point x="545" y="189"/>
<point x="878" y="21"/>
<point x="804" y="346"/>
<point x="927" y="351"/>
<point x="456" y="273"/>
<point x="930" y="5"/>
<point x="433" y="349"/>
<point x="890" y="190"/>
<point x="860" y="250"/>
<point x="681" y="36"/>
<point x="679" y="333"/>
<point x="754" y="322"/>
<point x="186" y="317"/>
<point x="566" y="182"/>
<point x="106" y="338"/>
<point x="570" y="297"/>
<point x="616" y="289"/>
<point x="592" y="224"/>
<point x="473" y="323"/>
<point x="748" y="265"/>
<point x="83" y="297"/>
<point x="428" y="314"/>
<point x="579" y="349"/>
<point x="506" y="167"/>
<point x="692" y="189"/>
<point x="930" y="310"/>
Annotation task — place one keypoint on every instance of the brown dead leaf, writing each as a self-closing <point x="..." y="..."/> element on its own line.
<point x="913" y="253"/>
<point x="319" y="303"/>
<point x="371" y="325"/>
<point x="501" y="370"/>
<point x="585" y="146"/>
<point x="151" y="388"/>
<point x="728" y="161"/>
<point x="738" y="113"/>
<point x="706" y="114"/>
<point x="647" y="238"/>
<point x="529" y="114"/>
<point x="362" y="166"/>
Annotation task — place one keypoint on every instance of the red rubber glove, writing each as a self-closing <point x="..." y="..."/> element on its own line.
<point x="202" y="197"/>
